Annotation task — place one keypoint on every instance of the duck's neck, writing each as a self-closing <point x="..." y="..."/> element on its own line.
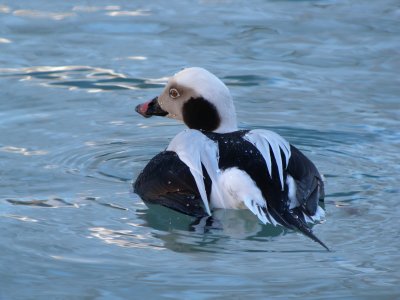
<point x="228" y="124"/>
<point x="228" y="118"/>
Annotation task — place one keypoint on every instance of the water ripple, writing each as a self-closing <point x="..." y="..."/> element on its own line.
<point x="96" y="79"/>
<point x="49" y="203"/>
<point x="111" y="161"/>
<point x="57" y="16"/>
<point x="20" y="218"/>
<point x="89" y="78"/>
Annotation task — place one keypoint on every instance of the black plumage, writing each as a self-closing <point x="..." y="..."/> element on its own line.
<point x="167" y="181"/>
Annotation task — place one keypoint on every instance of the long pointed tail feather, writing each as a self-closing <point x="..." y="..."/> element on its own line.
<point x="290" y="219"/>
<point x="298" y="223"/>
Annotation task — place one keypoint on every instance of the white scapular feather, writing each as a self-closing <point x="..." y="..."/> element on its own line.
<point x="264" y="139"/>
<point x="231" y="188"/>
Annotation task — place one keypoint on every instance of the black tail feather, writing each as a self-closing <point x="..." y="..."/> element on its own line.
<point x="292" y="220"/>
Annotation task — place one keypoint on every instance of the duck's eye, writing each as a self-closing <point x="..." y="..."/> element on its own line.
<point x="173" y="93"/>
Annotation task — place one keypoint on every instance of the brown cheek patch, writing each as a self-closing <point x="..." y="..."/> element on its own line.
<point x="200" y="114"/>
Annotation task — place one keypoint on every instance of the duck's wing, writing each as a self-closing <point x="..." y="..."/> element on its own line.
<point x="167" y="181"/>
<point x="309" y="183"/>
<point x="283" y="162"/>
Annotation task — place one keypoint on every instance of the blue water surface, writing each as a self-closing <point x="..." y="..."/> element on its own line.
<point x="324" y="74"/>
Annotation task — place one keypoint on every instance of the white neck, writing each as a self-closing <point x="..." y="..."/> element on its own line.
<point x="228" y="122"/>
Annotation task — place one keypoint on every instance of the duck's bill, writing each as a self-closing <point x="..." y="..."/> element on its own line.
<point x="151" y="108"/>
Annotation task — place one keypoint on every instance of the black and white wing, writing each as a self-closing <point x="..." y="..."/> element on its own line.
<point x="299" y="181"/>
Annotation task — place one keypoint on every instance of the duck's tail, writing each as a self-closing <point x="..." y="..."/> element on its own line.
<point x="293" y="219"/>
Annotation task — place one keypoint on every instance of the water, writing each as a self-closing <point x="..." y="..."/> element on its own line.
<point x="324" y="74"/>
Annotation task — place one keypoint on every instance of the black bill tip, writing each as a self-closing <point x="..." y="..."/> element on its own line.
<point x="150" y="108"/>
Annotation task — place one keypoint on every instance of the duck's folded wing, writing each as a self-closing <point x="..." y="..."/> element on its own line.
<point x="309" y="183"/>
<point x="167" y="181"/>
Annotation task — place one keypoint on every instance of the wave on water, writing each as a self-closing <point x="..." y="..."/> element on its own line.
<point x="92" y="79"/>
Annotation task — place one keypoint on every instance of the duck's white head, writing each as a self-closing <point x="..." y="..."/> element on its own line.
<point x="196" y="97"/>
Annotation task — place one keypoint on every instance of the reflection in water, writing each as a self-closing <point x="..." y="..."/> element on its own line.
<point x="124" y="238"/>
<point x="225" y="231"/>
<point x="163" y="229"/>
<point x="166" y="229"/>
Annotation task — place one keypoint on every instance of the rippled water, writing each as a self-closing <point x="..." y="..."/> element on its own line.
<point x="324" y="74"/>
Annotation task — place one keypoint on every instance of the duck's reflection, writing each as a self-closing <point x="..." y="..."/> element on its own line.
<point x="221" y="231"/>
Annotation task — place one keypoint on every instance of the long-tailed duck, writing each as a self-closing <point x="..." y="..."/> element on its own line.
<point x="214" y="165"/>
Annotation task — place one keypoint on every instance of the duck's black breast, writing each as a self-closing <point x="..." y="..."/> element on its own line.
<point x="167" y="181"/>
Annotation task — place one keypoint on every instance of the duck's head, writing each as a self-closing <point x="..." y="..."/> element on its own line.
<point x="196" y="97"/>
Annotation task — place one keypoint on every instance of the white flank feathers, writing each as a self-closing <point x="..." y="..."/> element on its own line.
<point x="292" y="192"/>
<point x="240" y="191"/>
<point x="264" y="139"/>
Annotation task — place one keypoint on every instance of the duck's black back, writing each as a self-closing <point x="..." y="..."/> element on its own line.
<point x="235" y="151"/>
